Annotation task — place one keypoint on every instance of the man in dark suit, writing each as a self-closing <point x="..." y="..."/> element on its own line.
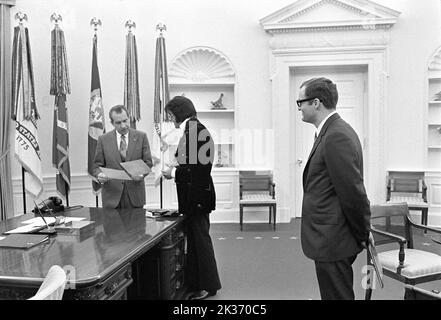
<point x="120" y="145"/>
<point x="196" y="195"/>
<point x="335" y="210"/>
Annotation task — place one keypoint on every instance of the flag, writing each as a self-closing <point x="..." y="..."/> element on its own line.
<point x="131" y="86"/>
<point x="161" y="97"/>
<point x="60" y="87"/>
<point x="96" y="116"/>
<point x="24" y="112"/>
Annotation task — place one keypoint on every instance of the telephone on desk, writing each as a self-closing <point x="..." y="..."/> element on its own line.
<point x="164" y="212"/>
<point x="49" y="206"/>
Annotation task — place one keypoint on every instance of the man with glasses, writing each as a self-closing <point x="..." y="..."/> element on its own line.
<point x="335" y="210"/>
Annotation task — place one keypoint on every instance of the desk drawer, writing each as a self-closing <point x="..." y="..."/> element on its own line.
<point x="115" y="287"/>
<point x="112" y="288"/>
<point x="159" y="274"/>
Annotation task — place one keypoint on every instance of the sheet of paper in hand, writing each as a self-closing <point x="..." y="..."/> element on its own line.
<point x="136" y="168"/>
<point x="115" y="174"/>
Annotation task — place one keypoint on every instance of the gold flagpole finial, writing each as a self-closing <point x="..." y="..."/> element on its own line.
<point x="95" y="23"/>
<point x="56" y="18"/>
<point x="21" y="16"/>
<point x="161" y="27"/>
<point x="130" y="24"/>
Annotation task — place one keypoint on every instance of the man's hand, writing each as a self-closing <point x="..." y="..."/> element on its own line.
<point x="166" y="173"/>
<point x="102" y="178"/>
<point x="138" y="178"/>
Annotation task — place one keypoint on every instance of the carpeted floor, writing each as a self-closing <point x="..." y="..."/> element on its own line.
<point x="259" y="263"/>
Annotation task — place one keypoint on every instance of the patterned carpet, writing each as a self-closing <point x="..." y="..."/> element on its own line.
<point x="261" y="264"/>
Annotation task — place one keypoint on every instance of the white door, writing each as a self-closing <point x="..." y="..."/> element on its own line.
<point x="351" y="88"/>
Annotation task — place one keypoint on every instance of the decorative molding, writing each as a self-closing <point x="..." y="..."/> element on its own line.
<point x="346" y="15"/>
<point x="435" y="61"/>
<point x="201" y="64"/>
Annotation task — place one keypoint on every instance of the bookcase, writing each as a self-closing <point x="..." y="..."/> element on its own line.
<point x="434" y="122"/>
<point x="433" y="138"/>
<point x="207" y="77"/>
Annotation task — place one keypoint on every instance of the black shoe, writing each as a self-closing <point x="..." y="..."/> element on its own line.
<point x="201" y="295"/>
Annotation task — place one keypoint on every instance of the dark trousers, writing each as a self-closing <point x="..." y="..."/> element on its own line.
<point x="336" y="279"/>
<point x="201" y="266"/>
<point x="124" y="202"/>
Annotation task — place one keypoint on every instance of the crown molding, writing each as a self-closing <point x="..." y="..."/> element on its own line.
<point x="341" y="15"/>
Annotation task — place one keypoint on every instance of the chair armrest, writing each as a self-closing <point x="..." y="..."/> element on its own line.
<point x="401" y="241"/>
<point x="423" y="227"/>
<point x="240" y="193"/>
<point x="273" y="189"/>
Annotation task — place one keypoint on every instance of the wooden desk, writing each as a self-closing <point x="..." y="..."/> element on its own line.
<point x="100" y="263"/>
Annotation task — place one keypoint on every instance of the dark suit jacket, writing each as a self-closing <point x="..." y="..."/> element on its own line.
<point x="335" y="210"/>
<point x="107" y="155"/>
<point x="195" y="156"/>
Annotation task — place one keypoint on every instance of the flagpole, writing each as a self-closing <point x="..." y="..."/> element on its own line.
<point x="20" y="17"/>
<point x="161" y="27"/>
<point x="23" y="189"/>
<point x="95" y="23"/>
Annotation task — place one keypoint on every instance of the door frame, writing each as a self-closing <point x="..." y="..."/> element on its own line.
<point x="283" y="60"/>
<point x="296" y="175"/>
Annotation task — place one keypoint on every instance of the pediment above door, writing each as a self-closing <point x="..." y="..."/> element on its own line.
<point x="315" y="15"/>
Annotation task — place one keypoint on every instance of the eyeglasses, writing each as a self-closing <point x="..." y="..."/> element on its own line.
<point x="299" y="102"/>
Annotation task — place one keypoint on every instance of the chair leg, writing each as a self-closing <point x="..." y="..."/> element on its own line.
<point x="387" y="223"/>
<point x="424" y="213"/>
<point x="368" y="294"/>
<point x="269" y="219"/>
<point x="274" y="217"/>
<point x="241" y="217"/>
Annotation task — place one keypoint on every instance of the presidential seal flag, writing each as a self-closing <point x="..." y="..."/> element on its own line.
<point x="60" y="87"/>
<point x="161" y="97"/>
<point x="96" y="116"/>
<point x="24" y="112"/>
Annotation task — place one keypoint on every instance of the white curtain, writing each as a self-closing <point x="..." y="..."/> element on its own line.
<point x="6" y="198"/>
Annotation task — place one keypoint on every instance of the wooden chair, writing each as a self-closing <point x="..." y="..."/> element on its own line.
<point x="257" y="189"/>
<point x="408" y="187"/>
<point x="53" y="285"/>
<point x="405" y="264"/>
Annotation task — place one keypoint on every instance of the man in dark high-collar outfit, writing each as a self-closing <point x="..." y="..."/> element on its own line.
<point x="335" y="210"/>
<point x="196" y="195"/>
<point x="120" y="145"/>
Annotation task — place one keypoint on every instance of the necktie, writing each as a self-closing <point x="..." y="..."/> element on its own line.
<point x="315" y="136"/>
<point x="123" y="147"/>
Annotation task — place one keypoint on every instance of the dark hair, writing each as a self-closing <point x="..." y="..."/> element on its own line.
<point x="323" y="89"/>
<point x="119" y="108"/>
<point x="181" y="107"/>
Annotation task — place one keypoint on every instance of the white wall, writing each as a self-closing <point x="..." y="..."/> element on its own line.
<point x="231" y="26"/>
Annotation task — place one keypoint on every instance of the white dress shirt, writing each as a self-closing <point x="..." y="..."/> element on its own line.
<point x="320" y="126"/>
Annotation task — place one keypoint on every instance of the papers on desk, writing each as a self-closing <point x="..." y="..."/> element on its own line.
<point x="38" y="221"/>
<point x="36" y="224"/>
<point x="26" y="229"/>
